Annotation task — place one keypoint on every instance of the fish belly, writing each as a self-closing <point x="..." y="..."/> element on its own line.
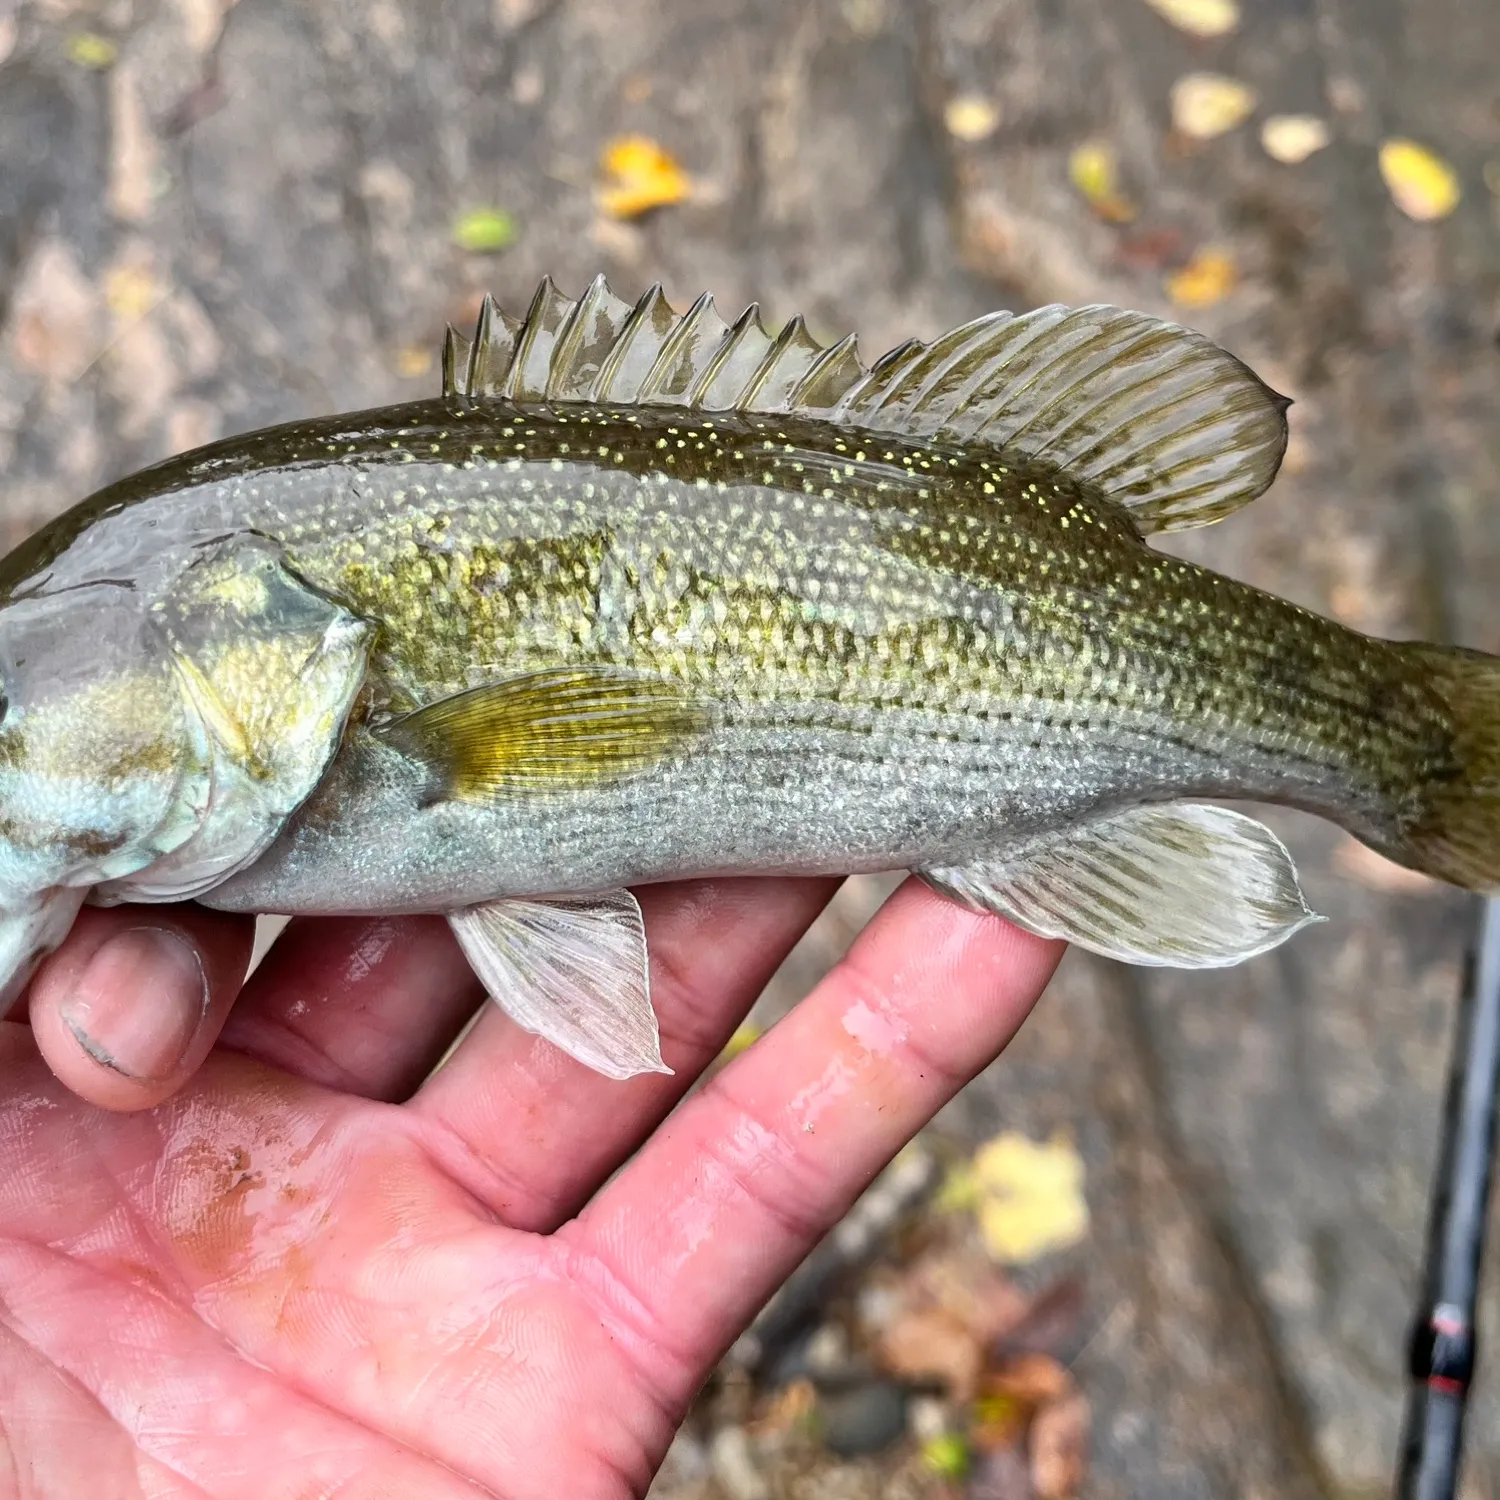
<point x="756" y="801"/>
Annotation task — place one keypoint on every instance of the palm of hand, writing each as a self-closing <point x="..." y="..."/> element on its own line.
<point x="279" y="1284"/>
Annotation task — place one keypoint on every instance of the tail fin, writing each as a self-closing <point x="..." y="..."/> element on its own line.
<point x="1456" y="836"/>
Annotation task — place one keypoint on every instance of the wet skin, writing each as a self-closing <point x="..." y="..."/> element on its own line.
<point x="286" y="1265"/>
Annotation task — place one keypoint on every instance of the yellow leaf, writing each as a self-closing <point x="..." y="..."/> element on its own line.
<point x="131" y="292"/>
<point x="1030" y="1197"/>
<point x="1424" y="185"/>
<point x="959" y="1190"/>
<point x="743" y="1039"/>
<point x="484" y="230"/>
<point x="1208" y="104"/>
<point x="1094" y="171"/>
<point x="1206" y="18"/>
<point x="946" y="1455"/>
<point x="971" y="117"/>
<point x="90" y="50"/>
<point x="1207" y="278"/>
<point x="1293" y="138"/>
<point x="639" y="175"/>
<point x="413" y="360"/>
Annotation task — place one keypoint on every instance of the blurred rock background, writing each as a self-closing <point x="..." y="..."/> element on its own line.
<point x="215" y="216"/>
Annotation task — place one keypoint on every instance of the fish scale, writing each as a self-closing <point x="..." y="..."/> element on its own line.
<point x="642" y="596"/>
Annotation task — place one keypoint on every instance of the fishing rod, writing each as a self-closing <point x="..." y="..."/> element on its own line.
<point x="1441" y="1357"/>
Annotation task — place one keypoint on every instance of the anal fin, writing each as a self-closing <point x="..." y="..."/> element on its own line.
<point x="572" y="970"/>
<point x="1186" y="885"/>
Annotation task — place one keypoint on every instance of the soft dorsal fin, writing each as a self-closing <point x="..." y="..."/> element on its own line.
<point x="1159" y="418"/>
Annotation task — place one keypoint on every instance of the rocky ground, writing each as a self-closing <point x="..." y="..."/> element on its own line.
<point x="211" y="218"/>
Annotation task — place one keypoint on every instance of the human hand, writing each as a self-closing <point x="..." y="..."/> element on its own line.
<point x="283" y="1282"/>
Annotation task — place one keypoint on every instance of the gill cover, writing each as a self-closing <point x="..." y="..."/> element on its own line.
<point x="269" y="669"/>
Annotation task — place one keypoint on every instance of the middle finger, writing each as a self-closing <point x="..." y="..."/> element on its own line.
<point x="532" y="1132"/>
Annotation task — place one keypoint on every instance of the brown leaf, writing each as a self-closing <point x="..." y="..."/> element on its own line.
<point x="1001" y="1475"/>
<point x="931" y="1344"/>
<point x="1059" y="1445"/>
<point x="133" y="162"/>
<point x="1031" y="1379"/>
<point x="58" y="315"/>
<point x="1051" y="1320"/>
<point x="964" y="1284"/>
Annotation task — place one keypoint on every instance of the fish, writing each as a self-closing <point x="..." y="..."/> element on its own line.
<point x="644" y="595"/>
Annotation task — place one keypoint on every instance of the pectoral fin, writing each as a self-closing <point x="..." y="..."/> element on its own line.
<point x="572" y="970"/>
<point x="1187" y="885"/>
<point x="554" y="730"/>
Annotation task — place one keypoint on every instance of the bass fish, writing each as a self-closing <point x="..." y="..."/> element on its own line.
<point x="643" y="596"/>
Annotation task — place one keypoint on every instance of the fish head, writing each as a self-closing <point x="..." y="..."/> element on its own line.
<point x="102" y="767"/>
<point x="155" y="740"/>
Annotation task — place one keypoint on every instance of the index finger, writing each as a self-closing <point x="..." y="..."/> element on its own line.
<point x="693" y="1235"/>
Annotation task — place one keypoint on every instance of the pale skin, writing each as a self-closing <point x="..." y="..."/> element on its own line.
<point x="287" y="1266"/>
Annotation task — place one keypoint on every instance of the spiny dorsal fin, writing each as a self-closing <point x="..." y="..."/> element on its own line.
<point x="1159" y="418"/>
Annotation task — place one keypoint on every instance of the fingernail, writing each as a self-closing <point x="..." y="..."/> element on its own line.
<point x="139" y="1003"/>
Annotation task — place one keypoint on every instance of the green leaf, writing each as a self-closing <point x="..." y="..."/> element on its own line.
<point x="90" y="50"/>
<point x="484" y="230"/>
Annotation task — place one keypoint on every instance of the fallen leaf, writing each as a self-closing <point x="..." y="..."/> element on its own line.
<point x="1001" y="1475"/>
<point x="790" y="1407"/>
<point x="131" y="291"/>
<point x="1205" y="18"/>
<point x="1094" y="171"/>
<point x="959" y="1190"/>
<point x="971" y="117"/>
<point x="1208" y="104"/>
<point x="999" y="1421"/>
<point x="1031" y="1197"/>
<point x="133" y="162"/>
<point x="202" y="21"/>
<point x="90" y="50"/>
<point x="745" y="1037"/>
<point x="1207" y="278"/>
<point x="1424" y="186"/>
<point x="969" y="1288"/>
<point x="1148" y="249"/>
<point x="484" y="230"/>
<point x="947" y="1455"/>
<point x="1293" y="138"/>
<point x="1030" y="1379"/>
<point x="931" y="1344"/>
<point x="639" y="175"/>
<point x="57" y="316"/>
<point x="1051" y="1320"/>
<point x="191" y="424"/>
<point x="1059" y="1442"/>
<point x="413" y="360"/>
